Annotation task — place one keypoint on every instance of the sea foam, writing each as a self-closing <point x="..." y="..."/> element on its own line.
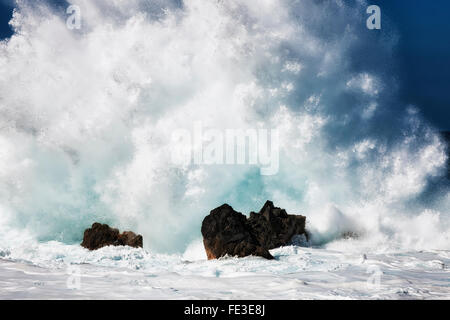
<point x="86" y="118"/>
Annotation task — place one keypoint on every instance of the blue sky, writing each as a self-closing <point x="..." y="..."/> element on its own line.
<point x="423" y="52"/>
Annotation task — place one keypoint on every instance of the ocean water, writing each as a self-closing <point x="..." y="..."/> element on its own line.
<point x="86" y="123"/>
<point x="57" y="271"/>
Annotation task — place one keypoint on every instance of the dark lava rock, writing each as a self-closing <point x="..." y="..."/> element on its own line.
<point x="129" y="238"/>
<point x="273" y="227"/>
<point x="227" y="232"/>
<point x="101" y="235"/>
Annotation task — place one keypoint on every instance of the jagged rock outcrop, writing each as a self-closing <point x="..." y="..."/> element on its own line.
<point x="101" y="235"/>
<point x="227" y="232"/>
<point x="273" y="227"/>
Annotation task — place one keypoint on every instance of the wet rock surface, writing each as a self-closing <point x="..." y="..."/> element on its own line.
<point x="273" y="227"/>
<point x="228" y="232"/>
<point x="101" y="235"/>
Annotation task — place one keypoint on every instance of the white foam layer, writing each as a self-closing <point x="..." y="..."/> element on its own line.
<point x="297" y="273"/>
